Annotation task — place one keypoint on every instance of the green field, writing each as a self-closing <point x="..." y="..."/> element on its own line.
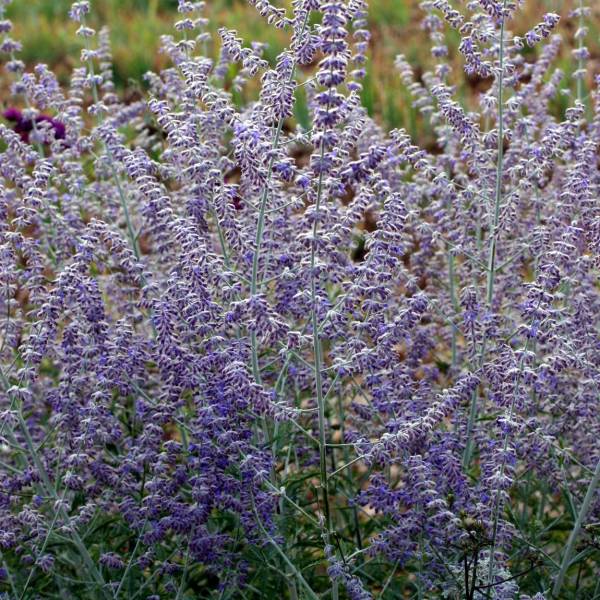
<point x="136" y="26"/>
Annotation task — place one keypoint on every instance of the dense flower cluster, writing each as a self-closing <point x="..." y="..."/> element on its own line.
<point x="243" y="359"/>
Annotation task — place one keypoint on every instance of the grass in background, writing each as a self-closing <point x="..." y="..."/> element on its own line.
<point x="136" y="25"/>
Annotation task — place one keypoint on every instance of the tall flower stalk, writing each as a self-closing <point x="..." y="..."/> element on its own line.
<point x="495" y="220"/>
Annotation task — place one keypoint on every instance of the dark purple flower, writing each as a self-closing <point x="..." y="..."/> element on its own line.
<point x="24" y="126"/>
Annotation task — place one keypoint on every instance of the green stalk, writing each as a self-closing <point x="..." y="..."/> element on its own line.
<point x="131" y="558"/>
<point x="50" y="490"/>
<point x="583" y="511"/>
<point x="502" y="469"/>
<point x="309" y="592"/>
<point x="565" y="564"/>
<point x="317" y="347"/>
<point x="491" y="271"/>
<point x="318" y="354"/>
<point x="122" y="199"/>
<point x="9" y="577"/>
<point x="40" y="553"/>
<point x="260" y="226"/>
<point x="454" y="302"/>
<point x="185" y="571"/>
<point x="491" y="264"/>
<point x="87" y="559"/>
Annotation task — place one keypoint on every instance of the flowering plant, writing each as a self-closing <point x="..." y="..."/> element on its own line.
<point x="244" y="359"/>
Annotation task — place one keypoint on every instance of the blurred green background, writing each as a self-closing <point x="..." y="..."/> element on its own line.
<point x="136" y="25"/>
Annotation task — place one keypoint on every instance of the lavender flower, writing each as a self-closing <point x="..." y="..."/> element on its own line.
<point x="240" y="357"/>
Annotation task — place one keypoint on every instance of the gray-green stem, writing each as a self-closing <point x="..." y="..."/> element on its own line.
<point x="260" y="226"/>
<point x="583" y="512"/>
<point x="491" y="265"/>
